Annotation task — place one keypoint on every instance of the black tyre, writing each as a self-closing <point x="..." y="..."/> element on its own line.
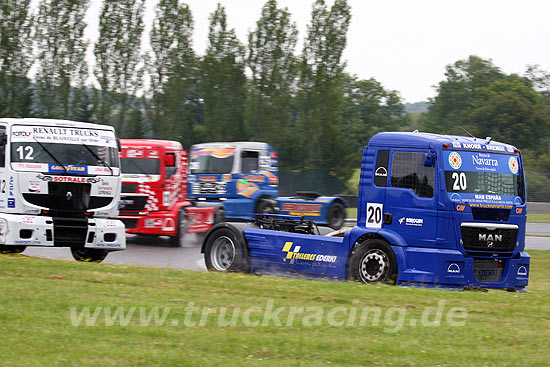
<point x="372" y="261"/>
<point x="226" y="251"/>
<point x="12" y="249"/>
<point x="89" y="254"/>
<point x="336" y="215"/>
<point x="181" y="230"/>
<point x="265" y="207"/>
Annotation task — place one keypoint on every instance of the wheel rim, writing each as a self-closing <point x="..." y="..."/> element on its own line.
<point x="374" y="266"/>
<point x="223" y="253"/>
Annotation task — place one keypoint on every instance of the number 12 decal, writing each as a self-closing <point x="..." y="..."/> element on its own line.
<point x="374" y="215"/>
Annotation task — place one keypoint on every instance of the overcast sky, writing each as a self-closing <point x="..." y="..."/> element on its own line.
<point x="404" y="44"/>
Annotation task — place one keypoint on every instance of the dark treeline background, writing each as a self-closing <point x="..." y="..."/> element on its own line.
<point x="298" y="98"/>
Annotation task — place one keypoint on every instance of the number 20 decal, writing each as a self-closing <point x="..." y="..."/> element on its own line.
<point x="374" y="215"/>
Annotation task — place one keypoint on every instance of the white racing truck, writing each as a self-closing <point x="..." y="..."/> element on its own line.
<point x="59" y="187"/>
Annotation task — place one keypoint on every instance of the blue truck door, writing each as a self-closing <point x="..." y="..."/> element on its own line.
<point x="411" y="196"/>
<point x="373" y="182"/>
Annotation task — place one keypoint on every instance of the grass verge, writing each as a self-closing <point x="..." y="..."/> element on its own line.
<point x="37" y="296"/>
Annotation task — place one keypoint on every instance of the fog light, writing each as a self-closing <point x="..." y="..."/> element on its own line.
<point x="25" y="233"/>
<point x="109" y="237"/>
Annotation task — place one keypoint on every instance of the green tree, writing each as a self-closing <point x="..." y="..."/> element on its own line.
<point x="118" y="57"/>
<point x="321" y="91"/>
<point x="223" y="82"/>
<point x="171" y="70"/>
<point x="272" y="64"/>
<point x="510" y="111"/>
<point x="456" y="94"/>
<point x="367" y="109"/>
<point x="15" y="57"/>
<point x="62" y="68"/>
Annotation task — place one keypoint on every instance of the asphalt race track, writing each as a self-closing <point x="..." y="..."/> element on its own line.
<point x="156" y="251"/>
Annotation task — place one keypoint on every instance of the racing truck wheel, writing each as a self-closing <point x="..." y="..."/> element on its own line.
<point x="181" y="230"/>
<point x="12" y="249"/>
<point x="265" y="207"/>
<point x="225" y="251"/>
<point x="89" y="254"/>
<point x="336" y="215"/>
<point x="372" y="261"/>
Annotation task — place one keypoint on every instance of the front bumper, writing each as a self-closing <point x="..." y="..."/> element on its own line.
<point x="451" y="269"/>
<point x="29" y="230"/>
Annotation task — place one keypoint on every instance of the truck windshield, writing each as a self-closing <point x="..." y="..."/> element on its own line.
<point x="144" y="166"/>
<point x="63" y="149"/>
<point x="212" y="160"/>
<point x="66" y="154"/>
<point x="482" y="173"/>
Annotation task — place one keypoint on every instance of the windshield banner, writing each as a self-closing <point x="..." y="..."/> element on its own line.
<point x="213" y="152"/>
<point x="65" y="135"/>
<point x="481" y="162"/>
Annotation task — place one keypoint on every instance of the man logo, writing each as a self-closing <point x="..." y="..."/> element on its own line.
<point x="453" y="268"/>
<point x="381" y="172"/>
<point x="490" y="239"/>
<point x="522" y="271"/>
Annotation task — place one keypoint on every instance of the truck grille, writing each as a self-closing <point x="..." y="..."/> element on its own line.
<point x="133" y="203"/>
<point x="488" y="270"/>
<point x="198" y="188"/>
<point x="68" y="197"/>
<point x="129" y="187"/>
<point x="69" y="231"/>
<point x="489" y="238"/>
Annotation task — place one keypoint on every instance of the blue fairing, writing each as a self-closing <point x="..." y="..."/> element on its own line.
<point x="276" y="252"/>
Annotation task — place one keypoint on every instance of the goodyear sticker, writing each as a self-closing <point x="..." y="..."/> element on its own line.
<point x="69" y="168"/>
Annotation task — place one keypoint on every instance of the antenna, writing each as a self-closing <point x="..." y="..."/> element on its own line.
<point x="467" y="132"/>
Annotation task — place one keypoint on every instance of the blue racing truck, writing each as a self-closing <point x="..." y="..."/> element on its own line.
<point x="241" y="179"/>
<point x="434" y="210"/>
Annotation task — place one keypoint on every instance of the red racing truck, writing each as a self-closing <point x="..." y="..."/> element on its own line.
<point x="154" y="191"/>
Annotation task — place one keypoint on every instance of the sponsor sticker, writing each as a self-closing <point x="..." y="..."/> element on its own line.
<point x="513" y="165"/>
<point x="416" y="222"/>
<point x="293" y="253"/>
<point x="70" y="168"/>
<point x="455" y="160"/>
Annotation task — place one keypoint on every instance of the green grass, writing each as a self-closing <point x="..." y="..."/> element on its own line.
<point x="501" y="329"/>
<point x="538" y="218"/>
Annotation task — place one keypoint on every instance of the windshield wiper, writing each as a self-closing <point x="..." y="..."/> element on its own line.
<point x="50" y="154"/>
<point x="101" y="160"/>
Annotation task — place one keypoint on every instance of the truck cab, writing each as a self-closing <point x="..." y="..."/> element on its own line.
<point x="60" y="186"/>
<point x="434" y="210"/>
<point x="239" y="177"/>
<point x="154" y="191"/>
<point x="241" y="180"/>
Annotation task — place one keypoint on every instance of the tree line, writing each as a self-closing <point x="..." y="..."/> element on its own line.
<point x="298" y="98"/>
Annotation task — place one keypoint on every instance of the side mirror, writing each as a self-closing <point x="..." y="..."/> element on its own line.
<point x="118" y="145"/>
<point x="170" y="160"/>
<point x="429" y="159"/>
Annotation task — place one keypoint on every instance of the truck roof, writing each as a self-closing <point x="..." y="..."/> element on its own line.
<point x="428" y="140"/>
<point x="151" y="143"/>
<point x="234" y="144"/>
<point x="55" y="122"/>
